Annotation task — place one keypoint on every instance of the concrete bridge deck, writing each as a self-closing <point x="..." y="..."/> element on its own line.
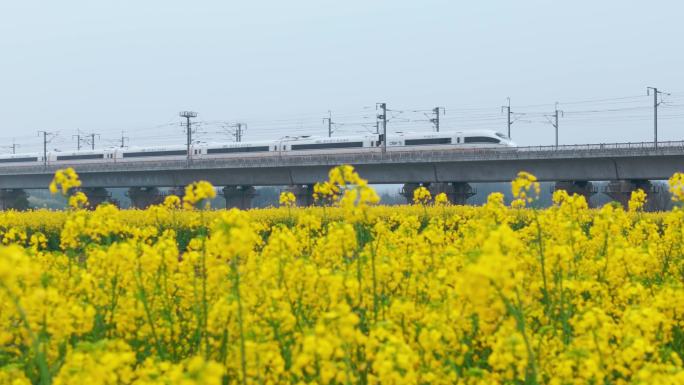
<point x="614" y="161"/>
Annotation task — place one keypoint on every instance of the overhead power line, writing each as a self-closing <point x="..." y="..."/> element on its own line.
<point x="579" y="113"/>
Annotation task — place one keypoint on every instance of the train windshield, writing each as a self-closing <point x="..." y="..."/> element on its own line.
<point x="500" y="135"/>
<point x="480" y="139"/>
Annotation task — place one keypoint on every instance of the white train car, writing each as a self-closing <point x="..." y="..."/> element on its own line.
<point x="82" y="156"/>
<point x="234" y="149"/>
<point x="449" y="140"/>
<point x="319" y="145"/>
<point x="8" y="160"/>
<point x="485" y="138"/>
<point x="137" y="154"/>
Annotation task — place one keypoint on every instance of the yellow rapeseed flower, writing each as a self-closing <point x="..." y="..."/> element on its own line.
<point x="172" y="202"/>
<point x="350" y="292"/>
<point x="525" y="189"/>
<point x="421" y="196"/>
<point x="78" y="200"/>
<point x="64" y="180"/>
<point x="637" y="200"/>
<point x="441" y="199"/>
<point x="287" y="199"/>
<point x="676" y="183"/>
<point x="198" y="192"/>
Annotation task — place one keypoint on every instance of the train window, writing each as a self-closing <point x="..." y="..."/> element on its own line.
<point x="315" y="146"/>
<point x="153" y="153"/>
<point x="230" y="150"/>
<point x="80" y="157"/>
<point x="458" y="140"/>
<point x="416" y="142"/>
<point x="17" y="160"/>
<point x="480" y="139"/>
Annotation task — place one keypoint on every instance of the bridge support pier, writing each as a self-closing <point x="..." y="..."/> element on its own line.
<point x="621" y="191"/>
<point x="178" y="191"/>
<point x="96" y="196"/>
<point x="144" y="197"/>
<point x="239" y="196"/>
<point x="14" y="199"/>
<point x="579" y="187"/>
<point x="303" y="194"/>
<point x="457" y="192"/>
<point x="407" y="191"/>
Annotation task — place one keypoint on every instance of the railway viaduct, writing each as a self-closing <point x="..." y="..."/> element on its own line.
<point x="627" y="166"/>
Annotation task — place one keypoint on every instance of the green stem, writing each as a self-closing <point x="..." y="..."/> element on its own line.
<point x="517" y="313"/>
<point x="542" y="260"/>
<point x="236" y="292"/>
<point x="39" y="359"/>
<point x="148" y="312"/>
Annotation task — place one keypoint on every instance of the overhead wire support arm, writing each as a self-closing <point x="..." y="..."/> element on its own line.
<point x="554" y="122"/>
<point x="508" y="113"/>
<point x="124" y="139"/>
<point x="435" y="120"/>
<point x="656" y="103"/>
<point x="383" y="117"/>
<point x="47" y="138"/>
<point x="236" y="130"/>
<point x="330" y="123"/>
<point x="188" y="129"/>
<point x="91" y="141"/>
<point x="12" y="147"/>
<point x="239" y="131"/>
<point x="78" y="139"/>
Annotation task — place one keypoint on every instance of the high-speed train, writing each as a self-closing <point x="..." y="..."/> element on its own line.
<point x="282" y="147"/>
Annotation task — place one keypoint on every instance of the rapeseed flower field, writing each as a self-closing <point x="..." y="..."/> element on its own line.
<point x="347" y="292"/>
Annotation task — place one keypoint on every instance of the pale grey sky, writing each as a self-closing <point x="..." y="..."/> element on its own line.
<point x="279" y="66"/>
